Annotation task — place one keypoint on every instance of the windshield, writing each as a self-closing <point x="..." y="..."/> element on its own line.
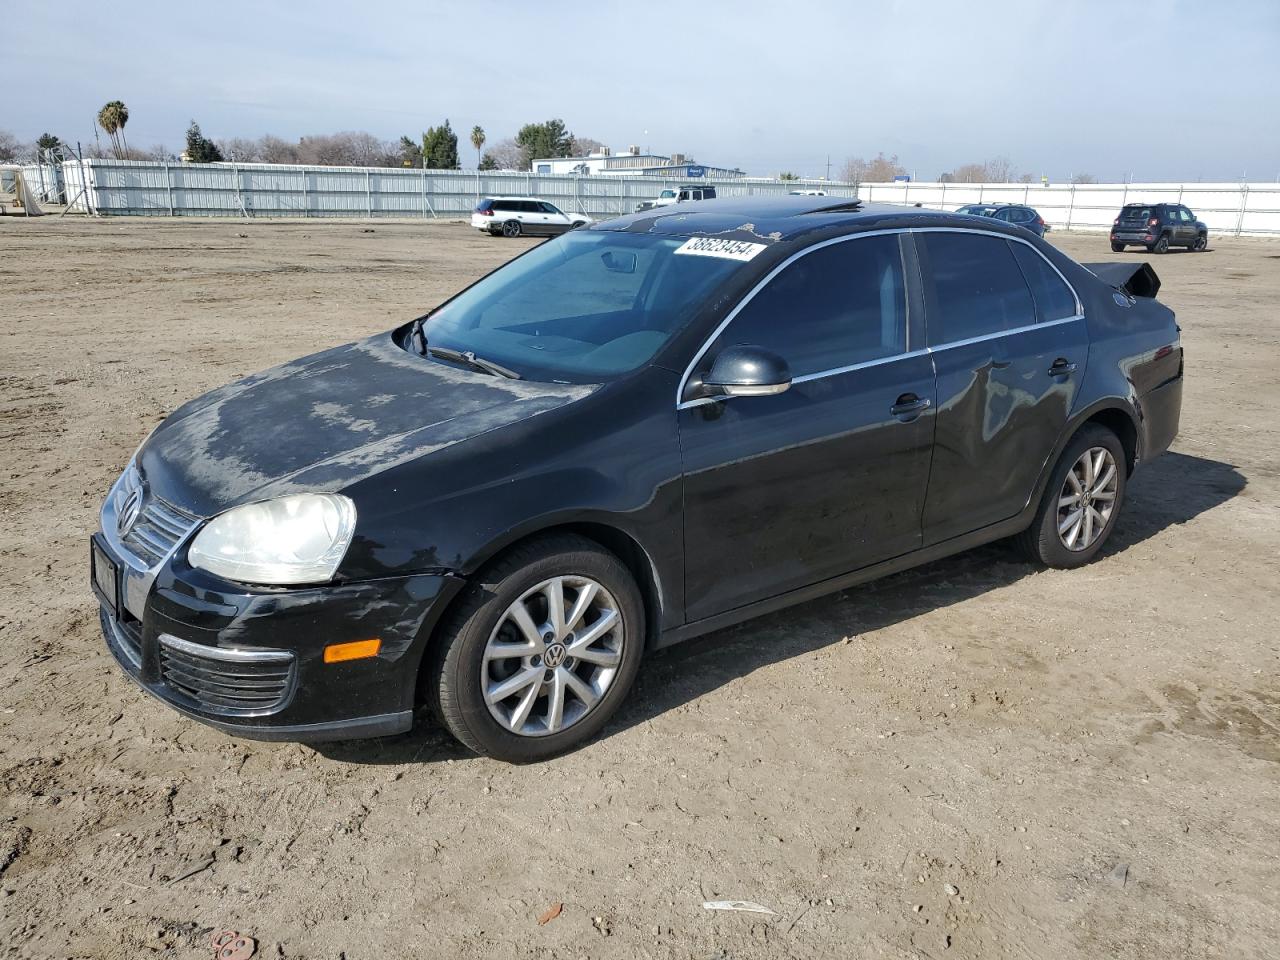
<point x="667" y="195"/>
<point x="582" y="308"/>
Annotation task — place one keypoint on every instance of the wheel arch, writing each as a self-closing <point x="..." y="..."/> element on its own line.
<point x="623" y="545"/>
<point x="1114" y="413"/>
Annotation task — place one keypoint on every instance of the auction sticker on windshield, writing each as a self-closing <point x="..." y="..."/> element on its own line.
<point x="725" y="249"/>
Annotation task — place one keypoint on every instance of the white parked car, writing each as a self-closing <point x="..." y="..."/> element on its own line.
<point x="512" y="216"/>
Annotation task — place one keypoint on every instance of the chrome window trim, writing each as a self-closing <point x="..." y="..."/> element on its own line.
<point x="836" y="371"/>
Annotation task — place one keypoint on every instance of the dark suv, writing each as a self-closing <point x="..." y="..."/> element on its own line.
<point x="1158" y="226"/>
<point x="1018" y="214"/>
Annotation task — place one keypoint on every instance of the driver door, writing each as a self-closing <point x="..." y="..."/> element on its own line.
<point x="787" y="490"/>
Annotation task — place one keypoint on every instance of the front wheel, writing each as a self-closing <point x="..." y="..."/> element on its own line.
<point x="1201" y="244"/>
<point x="511" y="228"/>
<point x="540" y="652"/>
<point x="1081" y="502"/>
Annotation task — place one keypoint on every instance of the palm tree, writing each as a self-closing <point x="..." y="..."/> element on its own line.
<point x="477" y="140"/>
<point x="112" y="118"/>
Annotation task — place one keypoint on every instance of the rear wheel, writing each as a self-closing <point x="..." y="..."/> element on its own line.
<point x="1117" y="247"/>
<point x="511" y="228"/>
<point x="1081" y="502"/>
<point x="1201" y="244"/>
<point x="1161" y="245"/>
<point x="540" y="651"/>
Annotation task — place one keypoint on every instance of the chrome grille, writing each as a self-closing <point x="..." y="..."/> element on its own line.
<point x="158" y="530"/>
<point x="231" y="682"/>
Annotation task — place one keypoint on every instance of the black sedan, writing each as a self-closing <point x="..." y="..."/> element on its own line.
<point x="628" y="436"/>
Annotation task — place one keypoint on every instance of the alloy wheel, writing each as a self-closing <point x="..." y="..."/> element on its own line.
<point x="1087" y="499"/>
<point x="511" y="228"/>
<point x="552" y="656"/>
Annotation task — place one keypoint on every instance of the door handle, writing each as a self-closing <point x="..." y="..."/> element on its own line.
<point x="909" y="406"/>
<point x="1062" y="368"/>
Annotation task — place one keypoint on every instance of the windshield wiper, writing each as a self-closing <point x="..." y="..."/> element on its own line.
<point x="471" y="360"/>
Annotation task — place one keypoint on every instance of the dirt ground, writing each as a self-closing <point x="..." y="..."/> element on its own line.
<point x="1090" y="759"/>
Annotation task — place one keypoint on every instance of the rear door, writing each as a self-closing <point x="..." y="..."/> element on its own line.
<point x="1008" y="363"/>
<point x="787" y="490"/>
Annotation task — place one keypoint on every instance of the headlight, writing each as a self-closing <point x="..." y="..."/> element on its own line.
<point x="295" y="539"/>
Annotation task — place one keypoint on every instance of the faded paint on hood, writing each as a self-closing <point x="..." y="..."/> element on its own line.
<point x="326" y="421"/>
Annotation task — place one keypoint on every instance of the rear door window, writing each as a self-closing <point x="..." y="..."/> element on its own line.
<point x="1054" y="299"/>
<point x="840" y="305"/>
<point x="977" y="287"/>
<point x="504" y="205"/>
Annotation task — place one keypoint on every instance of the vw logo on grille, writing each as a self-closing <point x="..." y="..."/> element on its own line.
<point x="129" y="512"/>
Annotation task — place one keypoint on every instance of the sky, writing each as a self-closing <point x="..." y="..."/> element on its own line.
<point x="1172" y="90"/>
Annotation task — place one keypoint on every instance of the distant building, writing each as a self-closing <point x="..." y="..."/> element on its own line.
<point x="631" y="162"/>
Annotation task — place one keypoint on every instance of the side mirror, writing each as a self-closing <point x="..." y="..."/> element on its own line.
<point x="747" y="371"/>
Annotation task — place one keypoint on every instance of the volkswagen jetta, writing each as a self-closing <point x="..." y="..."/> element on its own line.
<point x="630" y="435"/>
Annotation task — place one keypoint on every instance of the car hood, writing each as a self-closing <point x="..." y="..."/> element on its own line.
<point x="327" y="421"/>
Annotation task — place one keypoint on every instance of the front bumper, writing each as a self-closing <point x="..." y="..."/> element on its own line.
<point x="251" y="661"/>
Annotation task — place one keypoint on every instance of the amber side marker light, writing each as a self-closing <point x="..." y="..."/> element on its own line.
<point x="355" y="650"/>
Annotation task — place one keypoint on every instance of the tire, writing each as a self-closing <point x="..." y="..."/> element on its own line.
<point x="1041" y="542"/>
<point x="511" y="228"/>
<point x="1161" y="245"/>
<point x="463" y="666"/>
<point x="1201" y="243"/>
<point x="576" y="224"/>
<point x="1117" y="247"/>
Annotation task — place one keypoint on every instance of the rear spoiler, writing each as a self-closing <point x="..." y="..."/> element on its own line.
<point x="1135" y="279"/>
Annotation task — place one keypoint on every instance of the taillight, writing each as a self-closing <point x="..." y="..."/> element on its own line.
<point x="1153" y="222"/>
<point x="485" y="213"/>
<point x="1040" y="220"/>
<point x="1116" y="221"/>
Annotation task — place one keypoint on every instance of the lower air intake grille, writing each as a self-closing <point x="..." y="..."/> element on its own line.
<point x="228" y="682"/>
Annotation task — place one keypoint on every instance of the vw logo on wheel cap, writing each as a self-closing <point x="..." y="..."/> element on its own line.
<point x="555" y="655"/>
<point x="129" y="512"/>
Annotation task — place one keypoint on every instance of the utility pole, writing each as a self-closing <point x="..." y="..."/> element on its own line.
<point x="828" y="168"/>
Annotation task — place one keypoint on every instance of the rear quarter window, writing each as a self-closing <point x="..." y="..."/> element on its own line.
<point x="484" y="205"/>
<point x="1054" y="299"/>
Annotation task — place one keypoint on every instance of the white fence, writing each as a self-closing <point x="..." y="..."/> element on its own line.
<point x="147" y="188"/>
<point x="1236" y="209"/>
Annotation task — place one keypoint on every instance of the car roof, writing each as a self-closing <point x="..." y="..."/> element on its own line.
<point x="506" y="197"/>
<point x="773" y="219"/>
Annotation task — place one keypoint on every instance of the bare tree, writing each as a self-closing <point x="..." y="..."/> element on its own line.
<point x="11" y="149"/>
<point x="1084" y="178"/>
<point x="1026" y="178"/>
<point x="275" y="150"/>
<point x="585" y="146"/>
<point x="999" y="170"/>
<point x="241" y="149"/>
<point x="505" y="155"/>
<point x="880" y="169"/>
